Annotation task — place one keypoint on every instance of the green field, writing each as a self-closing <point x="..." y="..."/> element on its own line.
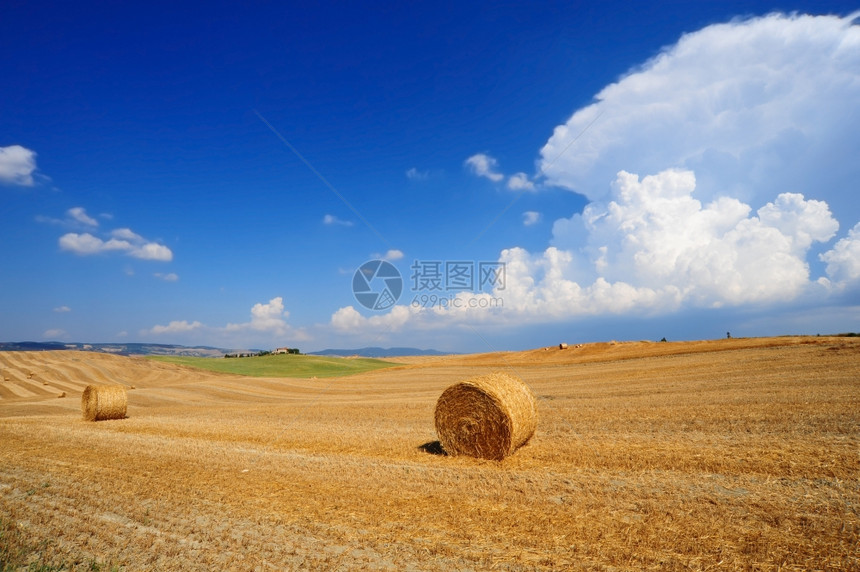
<point x="282" y="365"/>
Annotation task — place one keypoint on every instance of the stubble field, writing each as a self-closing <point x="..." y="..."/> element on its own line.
<point x="739" y="454"/>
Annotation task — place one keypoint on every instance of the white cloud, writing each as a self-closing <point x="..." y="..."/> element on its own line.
<point x="750" y="114"/>
<point x="270" y="317"/>
<point x="531" y="218"/>
<point x="843" y="260"/>
<point x="131" y="244"/>
<point x="331" y="220"/>
<point x="267" y="320"/>
<point x="746" y="136"/>
<point x="349" y="320"/>
<point x="414" y="174"/>
<point x="391" y="255"/>
<point x="62" y="309"/>
<point x="169" y="277"/>
<point x="484" y="166"/>
<point x="755" y="108"/>
<point x="176" y="326"/>
<point x="79" y="214"/>
<point x="17" y="165"/>
<point x="75" y="218"/>
<point x="653" y="249"/>
<point x="126" y="234"/>
<point x="520" y="182"/>
<point x="152" y="251"/>
<point x="86" y="243"/>
<point x="655" y="235"/>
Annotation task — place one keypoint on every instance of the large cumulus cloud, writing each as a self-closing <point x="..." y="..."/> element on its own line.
<point x="716" y="172"/>
<point x="754" y="107"/>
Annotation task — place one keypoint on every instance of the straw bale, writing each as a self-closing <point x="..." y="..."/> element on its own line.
<point x="101" y="402"/>
<point x="487" y="417"/>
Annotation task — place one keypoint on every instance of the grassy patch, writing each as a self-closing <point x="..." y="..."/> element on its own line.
<point x="282" y="365"/>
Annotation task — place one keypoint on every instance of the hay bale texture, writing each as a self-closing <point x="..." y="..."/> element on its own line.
<point x="101" y="402"/>
<point x="487" y="417"/>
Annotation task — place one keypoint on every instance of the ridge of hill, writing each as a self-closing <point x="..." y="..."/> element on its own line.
<point x="118" y="349"/>
<point x="377" y="352"/>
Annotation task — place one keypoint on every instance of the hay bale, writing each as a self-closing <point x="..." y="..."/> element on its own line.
<point x="101" y="402"/>
<point x="488" y="416"/>
<point x="562" y="346"/>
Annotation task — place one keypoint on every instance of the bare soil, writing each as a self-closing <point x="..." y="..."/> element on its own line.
<point x="738" y="454"/>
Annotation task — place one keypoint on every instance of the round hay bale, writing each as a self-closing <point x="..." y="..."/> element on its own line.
<point x="101" y="402"/>
<point x="487" y="417"/>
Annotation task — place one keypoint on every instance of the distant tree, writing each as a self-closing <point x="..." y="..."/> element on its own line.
<point x="664" y="339"/>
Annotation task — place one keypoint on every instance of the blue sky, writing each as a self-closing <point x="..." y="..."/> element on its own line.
<point x="216" y="173"/>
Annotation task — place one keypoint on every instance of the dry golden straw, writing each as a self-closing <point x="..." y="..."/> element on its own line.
<point x="488" y="416"/>
<point x="101" y="402"/>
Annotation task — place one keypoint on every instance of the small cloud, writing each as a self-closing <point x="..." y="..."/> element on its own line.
<point x="122" y="334"/>
<point x="531" y="218"/>
<point x="392" y="254"/>
<point x="54" y="334"/>
<point x="520" y="182"/>
<point x="176" y="326"/>
<point x="331" y="220"/>
<point x="75" y="218"/>
<point x="62" y="309"/>
<point x="414" y="174"/>
<point x="126" y="234"/>
<point x="270" y="317"/>
<point x="133" y="245"/>
<point x="79" y="214"/>
<point x="152" y="251"/>
<point x="86" y="243"/>
<point x="17" y="165"/>
<point x="348" y="320"/>
<point x="484" y="166"/>
<point x="169" y="277"/>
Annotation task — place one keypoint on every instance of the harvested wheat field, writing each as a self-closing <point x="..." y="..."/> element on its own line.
<point x="738" y="454"/>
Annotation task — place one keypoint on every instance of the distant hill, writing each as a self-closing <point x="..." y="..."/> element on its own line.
<point x="198" y="351"/>
<point x="380" y="352"/>
<point x="118" y="349"/>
